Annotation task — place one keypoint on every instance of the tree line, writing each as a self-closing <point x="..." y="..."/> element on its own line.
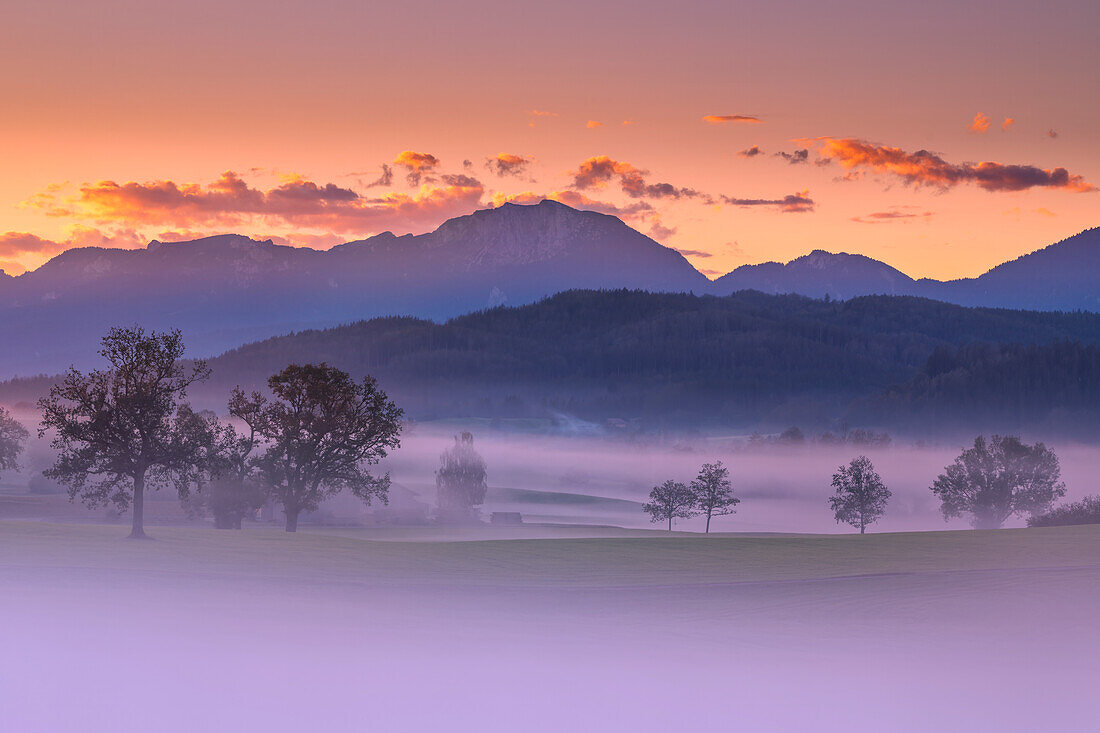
<point x="992" y="480"/>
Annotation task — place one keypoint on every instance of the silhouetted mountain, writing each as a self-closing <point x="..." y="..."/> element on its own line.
<point x="1064" y="276"/>
<point x="819" y="274"/>
<point x="225" y="290"/>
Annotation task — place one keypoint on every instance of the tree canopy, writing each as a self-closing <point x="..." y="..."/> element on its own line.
<point x="713" y="492"/>
<point x="12" y="436"/>
<point x="861" y="496"/>
<point x="118" y="431"/>
<point x="671" y="500"/>
<point x="998" y="478"/>
<point x="321" y="431"/>
<point x="460" y="481"/>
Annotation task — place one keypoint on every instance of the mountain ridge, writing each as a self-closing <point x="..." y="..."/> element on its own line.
<point x="226" y="289"/>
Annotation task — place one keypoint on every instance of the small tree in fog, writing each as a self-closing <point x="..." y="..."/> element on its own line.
<point x="117" y="432"/>
<point x="671" y="500"/>
<point x="861" y="496"/>
<point x="224" y="480"/>
<point x="12" y="437"/>
<point x="460" y="481"/>
<point x="322" y="431"/>
<point x="997" y="478"/>
<point x="713" y="492"/>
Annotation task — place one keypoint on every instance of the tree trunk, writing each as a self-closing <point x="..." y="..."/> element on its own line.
<point x="137" y="527"/>
<point x="861" y="528"/>
<point x="707" y="531"/>
<point x="669" y="522"/>
<point x="292" y="520"/>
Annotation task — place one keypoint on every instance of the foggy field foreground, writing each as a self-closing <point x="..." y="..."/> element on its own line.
<point x="261" y="630"/>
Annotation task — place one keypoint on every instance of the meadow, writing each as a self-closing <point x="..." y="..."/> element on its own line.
<point x="579" y="628"/>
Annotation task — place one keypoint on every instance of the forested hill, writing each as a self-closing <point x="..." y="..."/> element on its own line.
<point x="740" y="359"/>
<point x="1045" y="387"/>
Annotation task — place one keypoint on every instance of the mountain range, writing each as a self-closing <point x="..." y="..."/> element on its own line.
<point x="226" y="290"/>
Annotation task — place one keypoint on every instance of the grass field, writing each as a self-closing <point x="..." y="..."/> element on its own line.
<point x="546" y="628"/>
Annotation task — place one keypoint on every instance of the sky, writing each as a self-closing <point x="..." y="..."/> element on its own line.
<point x="940" y="137"/>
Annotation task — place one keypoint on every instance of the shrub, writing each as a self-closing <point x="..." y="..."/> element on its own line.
<point x="1086" y="511"/>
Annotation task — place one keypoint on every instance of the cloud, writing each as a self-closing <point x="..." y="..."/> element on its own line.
<point x="1009" y="122"/>
<point x="508" y="164"/>
<point x="385" y="180"/>
<point x="22" y="245"/>
<point x="798" y="156"/>
<point x="926" y="168"/>
<point x="726" y="119"/>
<point x="1045" y="211"/>
<point x="1052" y="133"/>
<point x="230" y="201"/>
<point x="659" y="231"/>
<point x="536" y="113"/>
<point x="417" y="164"/>
<point x="795" y="203"/>
<point x="591" y="124"/>
<point x="694" y="253"/>
<point x="628" y="123"/>
<point x="598" y="171"/>
<point x="980" y="124"/>
<point x="896" y="213"/>
<point x="751" y="152"/>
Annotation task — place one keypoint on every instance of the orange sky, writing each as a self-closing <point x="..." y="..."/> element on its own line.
<point x="122" y="120"/>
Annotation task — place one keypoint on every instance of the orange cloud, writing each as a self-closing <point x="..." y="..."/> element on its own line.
<point x="795" y="203"/>
<point x="1009" y="122"/>
<point x="230" y="201"/>
<point x="898" y="213"/>
<point x="724" y="119"/>
<point x="598" y="171"/>
<point x="417" y="165"/>
<point x="980" y="124"/>
<point x="925" y="168"/>
<point x="508" y="164"/>
<point x="591" y="124"/>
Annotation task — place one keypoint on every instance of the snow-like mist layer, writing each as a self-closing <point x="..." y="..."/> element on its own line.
<point x="783" y="489"/>
<point x="1006" y="650"/>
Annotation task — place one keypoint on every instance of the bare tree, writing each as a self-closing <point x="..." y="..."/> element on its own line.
<point x="998" y="478"/>
<point x="460" y="482"/>
<point x="671" y="500"/>
<point x="861" y="496"/>
<point x="321" y="432"/>
<point x="12" y="437"/>
<point x="713" y="492"/>
<point x="121" y="426"/>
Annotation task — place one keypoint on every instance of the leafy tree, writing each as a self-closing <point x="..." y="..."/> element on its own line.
<point x="12" y="436"/>
<point x="671" y="500"/>
<point x="713" y="492"/>
<point x="121" y="426"/>
<point x="321" y="431"/>
<point x="460" y="481"/>
<point x="998" y="478"/>
<point x="861" y="496"/>
<point x="225" y="480"/>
